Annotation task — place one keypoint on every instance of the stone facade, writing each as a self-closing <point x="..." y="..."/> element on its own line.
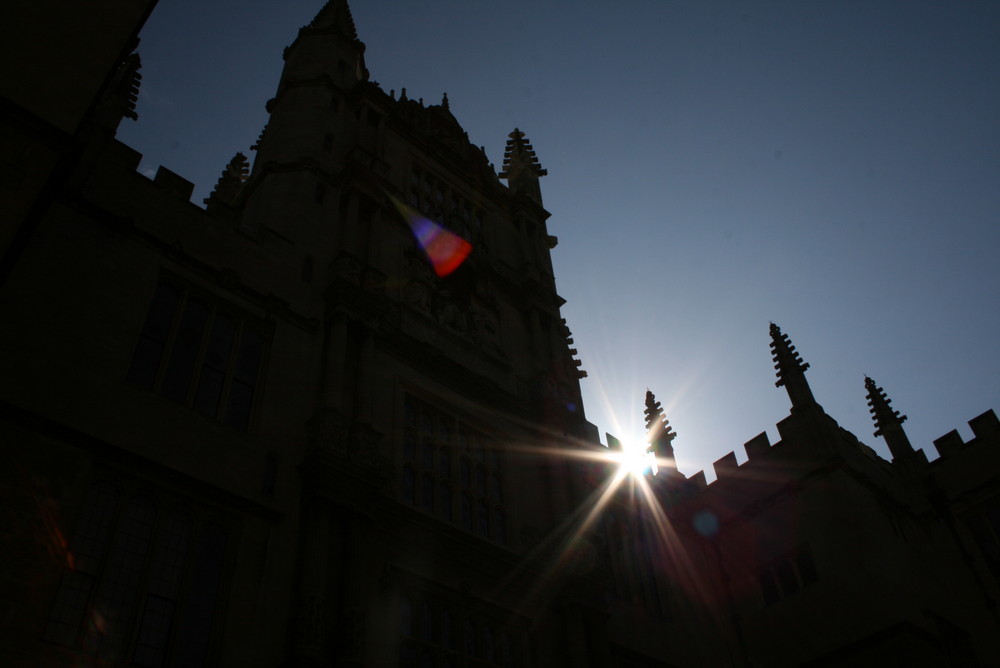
<point x="283" y="430"/>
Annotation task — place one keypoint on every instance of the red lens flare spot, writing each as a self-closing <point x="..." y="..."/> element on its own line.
<point x="445" y="249"/>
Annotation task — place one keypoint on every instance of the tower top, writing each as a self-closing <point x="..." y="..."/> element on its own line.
<point x="888" y="422"/>
<point x="521" y="167"/>
<point x="335" y="15"/>
<point x="791" y="369"/>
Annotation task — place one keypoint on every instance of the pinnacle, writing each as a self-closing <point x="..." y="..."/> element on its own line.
<point x="888" y="422"/>
<point x="519" y="155"/>
<point x="787" y="360"/>
<point x="336" y="14"/>
<point x="658" y="432"/>
<point x="790" y="369"/>
<point x="880" y="406"/>
<point x="656" y="423"/>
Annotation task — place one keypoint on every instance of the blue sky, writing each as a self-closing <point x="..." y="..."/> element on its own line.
<point x="713" y="166"/>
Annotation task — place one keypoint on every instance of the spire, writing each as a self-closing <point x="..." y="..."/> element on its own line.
<point x="336" y="50"/>
<point x="888" y="422"/>
<point x="336" y="14"/>
<point x="658" y="431"/>
<point x="444" y="102"/>
<point x="521" y="167"/>
<point x="791" y="370"/>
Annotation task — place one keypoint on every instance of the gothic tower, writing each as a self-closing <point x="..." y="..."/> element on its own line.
<point x="441" y="355"/>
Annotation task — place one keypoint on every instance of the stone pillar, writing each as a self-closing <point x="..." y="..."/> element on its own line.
<point x="310" y="637"/>
<point x="356" y="587"/>
<point x="333" y="362"/>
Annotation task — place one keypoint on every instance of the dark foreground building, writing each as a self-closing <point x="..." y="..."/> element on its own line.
<point x="333" y="417"/>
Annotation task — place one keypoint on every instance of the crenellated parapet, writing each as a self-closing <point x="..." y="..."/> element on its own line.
<point x="984" y="426"/>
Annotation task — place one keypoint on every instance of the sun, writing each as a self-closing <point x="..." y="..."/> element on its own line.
<point x="636" y="460"/>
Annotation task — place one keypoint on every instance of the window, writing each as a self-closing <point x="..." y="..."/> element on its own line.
<point x="447" y="462"/>
<point x="143" y="581"/>
<point x="440" y="633"/>
<point x="985" y="529"/>
<point x="435" y="199"/>
<point x="200" y="355"/>
<point x="787" y="574"/>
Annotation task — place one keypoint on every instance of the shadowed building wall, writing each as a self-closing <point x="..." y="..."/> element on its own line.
<point x="333" y="417"/>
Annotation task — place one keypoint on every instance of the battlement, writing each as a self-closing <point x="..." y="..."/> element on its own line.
<point x="983" y="426"/>
<point x="174" y="184"/>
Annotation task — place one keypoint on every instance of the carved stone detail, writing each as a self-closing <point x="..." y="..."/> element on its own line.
<point x="348" y="268"/>
<point x="373" y="280"/>
<point x="418" y="295"/>
<point x="329" y="431"/>
<point x="351" y="635"/>
<point x="312" y="628"/>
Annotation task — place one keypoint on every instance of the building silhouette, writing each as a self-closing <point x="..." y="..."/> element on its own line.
<point x="333" y="417"/>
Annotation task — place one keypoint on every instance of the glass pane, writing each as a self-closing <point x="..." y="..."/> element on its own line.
<point x="153" y="632"/>
<point x="410" y="444"/>
<point x="405" y="617"/>
<point x="427" y="492"/>
<point x="768" y="587"/>
<point x="116" y="599"/>
<point x="69" y="609"/>
<point x="505" y="653"/>
<point x="407" y="655"/>
<point x="238" y="408"/>
<point x="220" y="342"/>
<point x="444" y="429"/>
<point x="409" y="485"/>
<point x="483" y="526"/>
<point x="185" y="350"/>
<point x="248" y="359"/>
<point x="168" y="555"/>
<point x="481" y="480"/>
<point x="195" y="622"/>
<point x="469" y="633"/>
<point x="145" y="363"/>
<point x="161" y="313"/>
<point x="426" y="623"/>
<point x="446" y="640"/>
<point x="807" y="569"/>
<point x="499" y="526"/>
<point x="467" y="512"/>
<point x="206" y="398"/>
<point x="488" y="652"/>
<point x="786" y="577"/>
<point x="92" y="530"/>
<point x="446" y="501"/>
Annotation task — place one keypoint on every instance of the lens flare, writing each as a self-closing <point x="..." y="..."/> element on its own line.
<point x="637" y="460"/>
<point x="445" y="249"/>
